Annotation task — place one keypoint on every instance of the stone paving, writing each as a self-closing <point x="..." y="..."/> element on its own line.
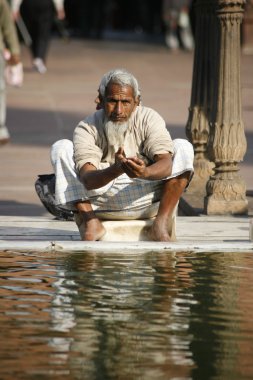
<point x="209" y="234"/>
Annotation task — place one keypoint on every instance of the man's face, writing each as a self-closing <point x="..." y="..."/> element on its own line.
<point x="119" y="103"/>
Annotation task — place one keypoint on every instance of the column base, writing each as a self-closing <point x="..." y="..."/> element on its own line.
<point x="222" y="207"/>
<point x="198" y="185"/>
<point x="203" y="169"/>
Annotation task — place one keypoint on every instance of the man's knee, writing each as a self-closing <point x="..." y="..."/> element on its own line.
<point x="181" y="178"/>
<point x="60" y="149"/>
<point x="183" y="145"/>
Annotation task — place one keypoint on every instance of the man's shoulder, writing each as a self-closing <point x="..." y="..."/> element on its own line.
<point x="148" y="114"/>
<point x="90" y="125"/>
<point x="146" y="111"/>
<point x="92" y="121"/>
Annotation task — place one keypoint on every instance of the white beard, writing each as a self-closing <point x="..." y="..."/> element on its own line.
<point x="116" y="133"/>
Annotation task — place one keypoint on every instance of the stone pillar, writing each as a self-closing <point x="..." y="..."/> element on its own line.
<point x="226" y="190"/>
<point x="197" y="127"/>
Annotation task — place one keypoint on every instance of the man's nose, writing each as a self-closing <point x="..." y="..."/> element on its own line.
<point x="118" y="108"/>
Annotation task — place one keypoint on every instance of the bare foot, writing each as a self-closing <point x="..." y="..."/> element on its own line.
<point x="90" y="229"/>
<point x="159" y="231"/>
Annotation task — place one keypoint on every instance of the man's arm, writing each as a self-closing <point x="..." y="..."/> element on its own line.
<point x="92" y="178"/>
<point x="10" y="34"/>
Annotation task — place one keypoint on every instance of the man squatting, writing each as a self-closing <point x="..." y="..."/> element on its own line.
<point x="122" y="163"/>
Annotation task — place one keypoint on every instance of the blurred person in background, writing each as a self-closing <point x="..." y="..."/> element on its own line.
<point x="8" y="40"/>
<point x="38" y="16"/>
<point x="177" y="24"/>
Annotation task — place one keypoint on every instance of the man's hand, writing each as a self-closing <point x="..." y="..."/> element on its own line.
<point x="132" y="166"/>
<point x="120" y="157"/>
<point x="13" y="60"/>
<point x="16" y="15"/>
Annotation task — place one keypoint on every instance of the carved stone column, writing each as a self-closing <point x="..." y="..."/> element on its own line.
<point x="226" y="190"/>
<point x="197" y="127"/>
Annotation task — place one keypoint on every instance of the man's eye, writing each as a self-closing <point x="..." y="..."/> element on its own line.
<point x="124" y="102"/>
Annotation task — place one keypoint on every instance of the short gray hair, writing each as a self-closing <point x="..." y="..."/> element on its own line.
<point x="121" y="77"/>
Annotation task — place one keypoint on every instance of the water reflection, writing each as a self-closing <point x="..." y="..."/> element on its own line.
<point x="148" y="316"/>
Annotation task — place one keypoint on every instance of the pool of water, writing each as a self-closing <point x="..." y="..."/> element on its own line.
<point x="113" y="316"/>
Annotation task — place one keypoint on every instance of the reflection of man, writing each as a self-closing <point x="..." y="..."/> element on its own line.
<point x="125" y="164"/>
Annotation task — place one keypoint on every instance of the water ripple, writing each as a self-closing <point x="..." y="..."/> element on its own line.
<point x="96" y="316"/>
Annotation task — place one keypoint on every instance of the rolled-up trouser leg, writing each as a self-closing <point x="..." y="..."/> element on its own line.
<point x="68" y="188"/>
<point x="183" y="158"/>
<point x="67" y="185"/>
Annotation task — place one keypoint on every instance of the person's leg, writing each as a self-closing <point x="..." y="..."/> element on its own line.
<point x="68" y="188"/>
<point x="172" y="191"/>
<point x="4" y="133"/>
<point x="29" y="15"/>
<point x="182" y="172"/>
<point x="185" y="33"/>
<point x="38" y="17"/>
<point x="89" y="225"/>
<point x="70" y="192"/>
<point x="44" y="25"/>
<point x="91" y="228"/>
<point x="171" y="38"/>
<point x="130" y="199"/>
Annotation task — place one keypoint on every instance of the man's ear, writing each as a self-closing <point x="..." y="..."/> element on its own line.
<point x="99" y="102"/>
<point x="138" y="100"/>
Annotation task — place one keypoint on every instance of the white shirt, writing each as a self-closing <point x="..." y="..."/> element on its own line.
<point x="146" y="136"/>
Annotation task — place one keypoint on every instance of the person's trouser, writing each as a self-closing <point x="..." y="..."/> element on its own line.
<point x="38" y="16"/>
<point x="122" y="198"/>
<point x="4" y="134"/>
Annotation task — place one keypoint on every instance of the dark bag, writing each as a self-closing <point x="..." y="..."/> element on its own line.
<point x="45" y="188"/>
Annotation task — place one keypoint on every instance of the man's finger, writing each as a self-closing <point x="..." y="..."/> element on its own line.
<point x="135" y="164"/>
<point x="136" y="160"/>
<point x="121" y="151"/>
<point x="128" y="171"/>
<point x="132" y="168"/>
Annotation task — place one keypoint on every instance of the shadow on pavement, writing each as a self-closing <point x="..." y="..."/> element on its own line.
<point x="13" y="208"/>
<point x="40" y="127"/>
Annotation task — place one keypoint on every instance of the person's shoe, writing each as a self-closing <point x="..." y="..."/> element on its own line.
<point x="4" y="136"/>
<point x="185" y="31"/>
<point x="39" y="65"/>
<point x="171" y="41"/>
<point x="187" y="39"/>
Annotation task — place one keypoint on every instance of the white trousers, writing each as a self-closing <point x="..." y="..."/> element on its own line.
<point x="122" y="198"/>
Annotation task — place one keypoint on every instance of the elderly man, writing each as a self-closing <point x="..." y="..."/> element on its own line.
<point x="122" y="164"/>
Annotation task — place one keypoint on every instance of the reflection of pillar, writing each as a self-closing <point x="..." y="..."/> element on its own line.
<point x="226" y="191"/>
<point x="197" y="128"/>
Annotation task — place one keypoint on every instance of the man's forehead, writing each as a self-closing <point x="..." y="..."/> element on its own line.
<point x="115" y="89"/>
